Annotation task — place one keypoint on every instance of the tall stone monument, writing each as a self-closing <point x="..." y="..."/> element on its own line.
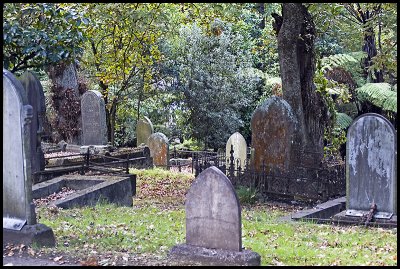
<point x="94" y="127"/>
<point x="371" y="168"/>
<point x="273" y="127"/>
<point x="158" y="144"/>
<point x="19" y="219"/>
<point x="36" y="99"/>
<point x="144" y="129"/>
<point x="213" y="224"/>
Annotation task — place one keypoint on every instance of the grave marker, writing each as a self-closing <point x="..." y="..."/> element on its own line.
<point x="17" y="182"/>
<point x="239" y="149"/>
<point x="371" y="172"/>
<point x="144" y="129"/>
<point x="158" y="144"/>
<point x="36" y="99"/>
<point x="94" y="128"/>
<point x="213" y="223"/>
<point x="273" y="126"/>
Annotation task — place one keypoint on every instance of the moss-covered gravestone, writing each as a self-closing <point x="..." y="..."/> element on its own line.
<point x="273" y="127"/>
<point x="213" y="224"/>
<point x="158" y="145"/>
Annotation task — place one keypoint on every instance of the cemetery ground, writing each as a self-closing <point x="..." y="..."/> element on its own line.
<point x="143" y="235"/>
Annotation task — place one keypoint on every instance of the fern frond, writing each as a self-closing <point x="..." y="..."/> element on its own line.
<point x="339" y="60"/>
<point x="342" y="120"/>
<point x="379" y="94"/>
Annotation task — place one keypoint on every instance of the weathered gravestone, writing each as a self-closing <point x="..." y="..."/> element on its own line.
<point x="35" y="94"/>
<point x="158" y="144"/>
<point x="371" y="172"/>
<point x="213" y="224"/>
<point x="144" y="129"/>
<point x="94" y="128"/>
<point x="239" y="150"/>
<point x="19" y="219"/>
<point x="273" y="125"/>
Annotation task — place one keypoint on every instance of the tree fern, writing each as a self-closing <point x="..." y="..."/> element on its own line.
<point x="380" y="94"/>
<point x="343" y="120"/>
<point x="340" y="60"/>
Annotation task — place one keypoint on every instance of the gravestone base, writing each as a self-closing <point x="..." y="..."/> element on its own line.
<point x="95" y="149"/>
<point x="215" y="257"/>
<point x="37" y="234"/>
<point x="342" y="218"/>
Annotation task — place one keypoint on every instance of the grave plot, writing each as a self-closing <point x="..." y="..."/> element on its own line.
<point x="77" y="190"/>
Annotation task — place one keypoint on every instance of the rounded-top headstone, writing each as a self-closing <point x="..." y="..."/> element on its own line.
<point x="273" y="127"/>
<point x="371" y="151"/>
<point x="144" y="129"/>
<point x="94" y="126"/>
<point x="17" y="185"/>
<point x="213" y="215"/>
<point x="158" y="145"/>
<point x="239" y="149"/>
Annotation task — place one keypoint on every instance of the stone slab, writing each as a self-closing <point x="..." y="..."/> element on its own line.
<point x="90" y="190"/>
<point x="321" y="211"/>
<point x="214" y="257"/>
<point x="37" y="234"/>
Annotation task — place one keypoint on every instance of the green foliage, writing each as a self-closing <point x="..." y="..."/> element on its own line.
<point x="39" y="34"/>
<point x="247" y="195"/>
<point x="343" y="121"/>
<point x="380" y="94"/>
<point x="210" y="70"/>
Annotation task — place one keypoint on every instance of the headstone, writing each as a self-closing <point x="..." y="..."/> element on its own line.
<point x="273" y="125"/>
<point x="144" y="129"/>
<point x="35" y="94"/>
<point x="94" y="128"/>
<point x="213" y="223"/>
<point x="19" y="219"/>
<point x="371" y="169"/>
<point x="17" y="184"/>
<point x="158" y="144"/>
<point x="239" y="149"/>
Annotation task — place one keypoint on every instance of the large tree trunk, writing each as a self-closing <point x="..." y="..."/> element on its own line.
<point x="66" y="103"/>
<point x="296" y="34"/>
<point x="370" y="48"/>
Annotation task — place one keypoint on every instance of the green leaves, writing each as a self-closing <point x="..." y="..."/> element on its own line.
<point x="379" y="94"/>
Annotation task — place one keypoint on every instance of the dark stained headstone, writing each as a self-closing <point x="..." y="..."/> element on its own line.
<point x="213" y="218"/>
<point x="18" y="208"/>
<point x="36" y="99"/>
<point x="158" y="145"/>
<point x="144" y="129"/>
<point x="94" y="128"/>
<point x="371" y="171"/>
<point x="273" y="126"/>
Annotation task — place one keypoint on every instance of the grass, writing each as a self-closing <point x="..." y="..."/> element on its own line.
<point x="156" y="223"/>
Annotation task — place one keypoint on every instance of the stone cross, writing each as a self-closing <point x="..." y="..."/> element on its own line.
<point x="213" y="214"/>
<point x="273" y="127"/>
<point x="144" y="129"/>
<point x="158" y="144"/>
<point x="18" y="208"/>
<point x="36" y="99"/>
<point x="239" y="149"/>
<point x="94" y="127"/>
<point x="371" y="170"/>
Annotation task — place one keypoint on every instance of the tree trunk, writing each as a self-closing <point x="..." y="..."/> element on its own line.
<point x="113" y="112"/>
<point x="370" y="48"/>
<point x="296" y="37"/>
<point x="65" y="88"/>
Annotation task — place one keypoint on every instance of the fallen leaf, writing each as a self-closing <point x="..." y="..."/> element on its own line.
<point x="56" y="259"/>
